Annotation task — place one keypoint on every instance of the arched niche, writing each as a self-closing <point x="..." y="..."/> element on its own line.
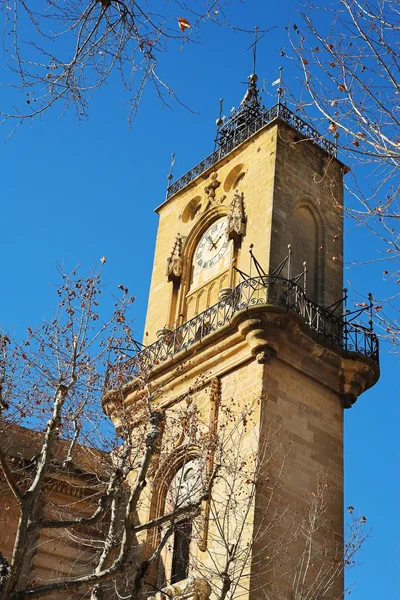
<point x="308" y="247"/>
<point x="234" y="177"/>
<point x="192" y="209"/>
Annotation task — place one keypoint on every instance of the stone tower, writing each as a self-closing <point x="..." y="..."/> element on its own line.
<point x="245" y="330"/>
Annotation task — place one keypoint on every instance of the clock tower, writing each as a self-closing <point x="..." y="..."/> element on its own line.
<point x="247" y="328"/>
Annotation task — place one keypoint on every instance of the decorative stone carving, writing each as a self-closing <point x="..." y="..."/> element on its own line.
<point x="211" y="188"/>
<point x="265" y="355"/>
<point x="356" y="377"/>
<point x="164" y="332"/>
<point x="193" y="588"/>
<point x="175" y="261"/>
<point x="254" y="329"/>
<point x="236" y="219"/>
<point x="224" y="292"/>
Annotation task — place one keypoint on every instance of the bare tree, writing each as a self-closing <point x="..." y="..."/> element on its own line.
<point x="251" y="529"/>
<point x="266" y="565"/>
<point x="83" y="491"/>
<point x="61" y="52"/>
<point x="349" y="56"/>
<point x="53" y="381"/>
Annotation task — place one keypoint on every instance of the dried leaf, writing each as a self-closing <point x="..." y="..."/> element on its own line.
<point x="183" y="24"/>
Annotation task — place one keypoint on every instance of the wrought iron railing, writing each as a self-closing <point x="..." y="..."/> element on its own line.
<point x="254" y="291"/>
<point x="240" y="134"/>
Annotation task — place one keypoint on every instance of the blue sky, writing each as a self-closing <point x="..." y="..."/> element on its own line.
<point x="75" y="193"/>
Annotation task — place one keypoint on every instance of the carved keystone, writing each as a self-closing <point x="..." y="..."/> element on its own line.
<point x="254" y="330"/>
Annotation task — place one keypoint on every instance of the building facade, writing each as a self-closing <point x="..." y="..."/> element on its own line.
<point x="251" y="355"/>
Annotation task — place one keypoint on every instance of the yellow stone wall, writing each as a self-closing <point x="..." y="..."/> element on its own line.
<point x="294" y="404"/>
<point x="267" y="362"/>
<point x="257" y="157"/>
<point x="282" y="179"/>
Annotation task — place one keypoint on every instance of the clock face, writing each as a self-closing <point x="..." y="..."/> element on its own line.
<point x="212" y="247"/>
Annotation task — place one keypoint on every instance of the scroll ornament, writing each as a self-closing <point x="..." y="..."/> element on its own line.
<point x="175" y="261"/>
<point x="236" y="219"/>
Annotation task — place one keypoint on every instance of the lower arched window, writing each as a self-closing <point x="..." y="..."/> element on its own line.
<point x="185" y="489"/>
<point x="181" y="551"/>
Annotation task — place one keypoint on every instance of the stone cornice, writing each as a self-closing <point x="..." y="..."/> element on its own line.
<point x="261" y="333"/>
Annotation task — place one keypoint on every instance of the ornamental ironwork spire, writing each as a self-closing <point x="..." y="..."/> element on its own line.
<point x="250" y="117"/>
<point x="232" y="128"/>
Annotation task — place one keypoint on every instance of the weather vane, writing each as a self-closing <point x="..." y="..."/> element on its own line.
<point x="254" y="46"/>
<point x="278" y="82"/>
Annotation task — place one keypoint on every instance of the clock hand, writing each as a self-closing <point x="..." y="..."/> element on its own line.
<point x="216" y="241"/>
<point x="211" y="240"/>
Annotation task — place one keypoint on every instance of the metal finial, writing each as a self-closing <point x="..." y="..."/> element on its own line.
<point x="305" y="277"/>
<point x="345" y="296"/>
<point x="289" y="261"/>
<point x="280" y="88"/>
<point x="220" y="121"/>
<point x="170" y="176"/>
<point x="371" y="312"/>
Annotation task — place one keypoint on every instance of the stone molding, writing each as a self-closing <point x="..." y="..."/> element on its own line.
<point x="265" y="331"/>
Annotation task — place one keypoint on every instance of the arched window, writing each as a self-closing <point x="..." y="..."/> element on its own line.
<point x="185" y="489"/>
<point x="181" y="553"/>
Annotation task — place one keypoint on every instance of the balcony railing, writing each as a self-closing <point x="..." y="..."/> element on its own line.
<point x="255" y="291"/>
<point x="247" y="128"/>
